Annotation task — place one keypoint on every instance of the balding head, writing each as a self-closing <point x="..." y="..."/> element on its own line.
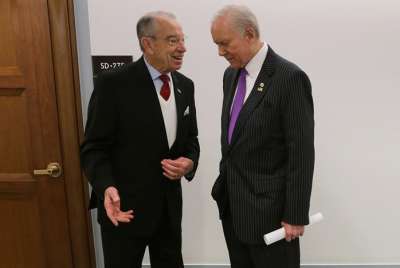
<point x="235" y="31"/>
<point x="147" y="25"/>
<point x="240" y="18"/>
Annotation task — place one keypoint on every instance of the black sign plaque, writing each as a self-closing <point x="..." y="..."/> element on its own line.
<point x="105" y="63"/>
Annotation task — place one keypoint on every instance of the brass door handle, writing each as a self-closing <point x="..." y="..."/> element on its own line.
<point x="53" y="170"/>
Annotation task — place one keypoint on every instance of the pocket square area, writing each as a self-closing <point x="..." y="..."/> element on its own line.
<point x="186" y="112"/>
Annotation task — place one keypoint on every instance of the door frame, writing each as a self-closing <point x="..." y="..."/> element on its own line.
<point x="69" y="112"/>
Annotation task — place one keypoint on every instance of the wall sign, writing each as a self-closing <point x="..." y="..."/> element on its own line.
<point x="105" y="63"/>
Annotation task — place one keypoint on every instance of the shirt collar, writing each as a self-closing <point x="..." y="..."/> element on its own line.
<point x="255" y="64"/>
<point x="154" y="73"/>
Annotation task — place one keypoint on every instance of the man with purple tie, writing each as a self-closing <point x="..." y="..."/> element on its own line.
<point x="140" y="140"/>
<point x="267" y="144"/>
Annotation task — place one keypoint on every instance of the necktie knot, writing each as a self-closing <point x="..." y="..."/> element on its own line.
<point x="164" y="78"/>
<point x="165" y="91"/>
<point x="243" y="72"/>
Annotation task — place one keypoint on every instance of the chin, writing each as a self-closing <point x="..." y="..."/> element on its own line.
<point x="177" y="67"/>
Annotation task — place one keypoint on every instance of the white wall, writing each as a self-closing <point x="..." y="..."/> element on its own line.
<point x="350" y="50"/>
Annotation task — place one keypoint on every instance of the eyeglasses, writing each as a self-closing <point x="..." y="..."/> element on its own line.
<point x="172" y="41"/>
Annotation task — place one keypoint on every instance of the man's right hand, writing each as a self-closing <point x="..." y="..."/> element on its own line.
<point x="112" y="204"/>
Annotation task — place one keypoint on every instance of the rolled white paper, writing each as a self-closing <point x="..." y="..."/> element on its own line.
<point x="279" y="234"/>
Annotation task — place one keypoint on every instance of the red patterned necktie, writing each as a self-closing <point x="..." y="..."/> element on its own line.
<point x="165" y="90"/>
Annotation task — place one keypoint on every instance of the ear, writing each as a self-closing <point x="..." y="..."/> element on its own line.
<point x="249" y="33"/>
<point x="147" y="45"/>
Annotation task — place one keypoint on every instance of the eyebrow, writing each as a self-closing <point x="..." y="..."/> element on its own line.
<point x="221" y="42"/>
<point x="174" y="36"/>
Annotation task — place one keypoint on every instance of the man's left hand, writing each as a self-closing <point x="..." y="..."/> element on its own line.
<point x="292" y="231"/>
<point x="175" y="169"/>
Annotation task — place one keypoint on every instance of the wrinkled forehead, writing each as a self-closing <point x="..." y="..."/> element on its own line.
<point x="222" y="28"/>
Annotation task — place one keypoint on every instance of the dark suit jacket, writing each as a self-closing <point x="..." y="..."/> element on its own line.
<point x="125" y="141"/>
<point x="266" y="172"/>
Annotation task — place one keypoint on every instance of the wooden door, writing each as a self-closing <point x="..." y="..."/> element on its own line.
<point x="38" y="222"/>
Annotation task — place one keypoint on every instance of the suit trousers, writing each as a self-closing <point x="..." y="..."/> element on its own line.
<point x="281" y="254"/>
<point x="122" y="250"/>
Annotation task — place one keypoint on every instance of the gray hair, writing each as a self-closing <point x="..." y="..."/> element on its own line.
<point x="240" y="16"/>
<point x="146" y="26"/>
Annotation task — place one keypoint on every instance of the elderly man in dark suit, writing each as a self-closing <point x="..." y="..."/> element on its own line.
<point x="267" y="141"/>
<point x="140" y="139"/>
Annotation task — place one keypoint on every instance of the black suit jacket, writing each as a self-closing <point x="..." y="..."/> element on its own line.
<point x="266" y="172"/>
<point x="125" y="141"/>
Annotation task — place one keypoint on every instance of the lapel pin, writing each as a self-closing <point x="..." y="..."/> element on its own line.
<point x="260" y="89"/>
<point x="261" y="84"/>
<point x="179" y="91"/>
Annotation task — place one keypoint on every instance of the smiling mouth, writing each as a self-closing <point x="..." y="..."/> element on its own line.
<point x="179" y="58"/>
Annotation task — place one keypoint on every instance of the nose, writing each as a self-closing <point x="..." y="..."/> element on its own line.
<point x="221" y="51"/>
<point x="181" y="46"/>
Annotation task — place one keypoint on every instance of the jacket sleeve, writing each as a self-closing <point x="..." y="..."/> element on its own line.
<point x="298" y="124"/>
<point x="192" y="147"/>
<point x="99" y="138"/>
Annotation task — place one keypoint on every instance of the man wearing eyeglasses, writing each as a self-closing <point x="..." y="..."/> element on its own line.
<point x="140" y="140"/>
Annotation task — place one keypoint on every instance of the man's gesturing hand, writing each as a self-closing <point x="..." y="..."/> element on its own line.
<point x="112" y="204"/>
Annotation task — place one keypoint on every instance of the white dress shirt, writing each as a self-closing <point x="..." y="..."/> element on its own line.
<point x="253" y="68"/>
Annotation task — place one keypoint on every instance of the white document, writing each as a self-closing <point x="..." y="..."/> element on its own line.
<point x="279" y="234"/>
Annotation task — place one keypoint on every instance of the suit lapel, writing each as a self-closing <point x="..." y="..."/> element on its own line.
<point x="179" y="101"/>
<point x="152" y="104"/>
<point x="230" y="93"/>
<point x="257" y="94"/>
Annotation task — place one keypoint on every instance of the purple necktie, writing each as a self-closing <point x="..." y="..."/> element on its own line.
<point x="238" y="102"/>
